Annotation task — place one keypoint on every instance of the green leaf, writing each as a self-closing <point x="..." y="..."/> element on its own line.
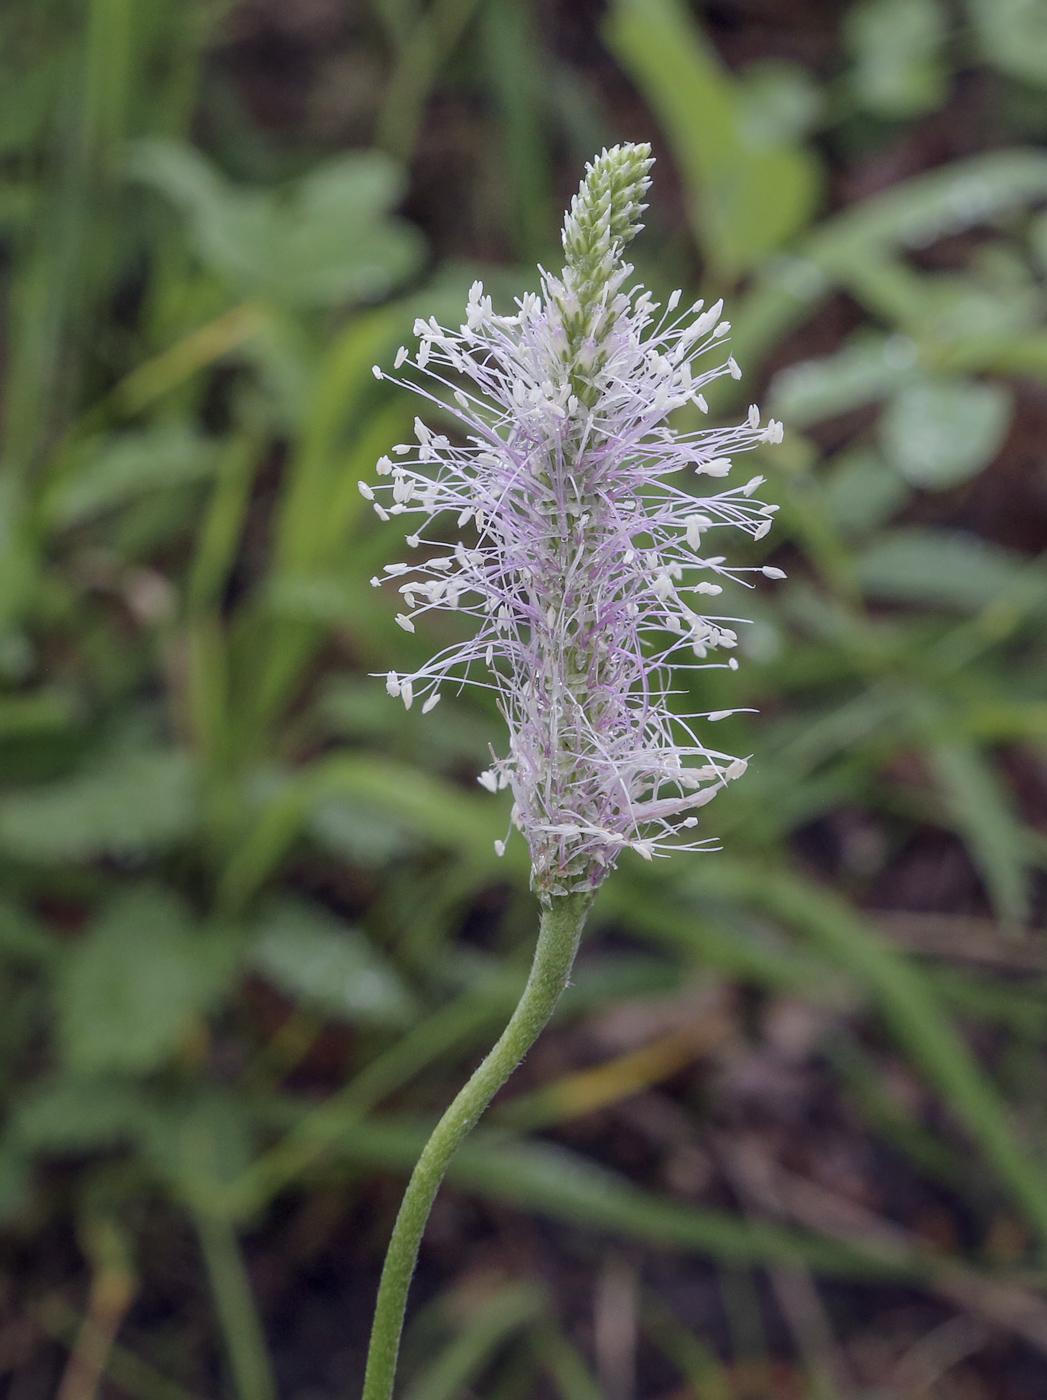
<point x="921" y="210"/>
<point x="325" y="240"/>
<point x="339" y="243"/>
<point x="135" y="803"/>
<point x="860" y="373"/>
<point x="23" y="939"/>
<point x="937" y="569"/>
<point x="134" y="984"/>
<point x="331" y="965"/>
<point x="434" y="810"/>
<point x="779" y="101"/>
<point x="909" y="1006"/>
<point x="200" y="1145"/>
<point x="495" y="1318"/>
<point x="74" y="1116"/>
<point x="987" y="307"/>
<point x="112" y="470"/>
<point x="896" y="47"/>
<point x="1012" y="35"/>
<point x="36" y="712"/>
<point x="15" y="1183"/>
<point x="983" y="815"/>
<point x="751" y="191"/>
<point x="563" y="1185"/>
<point x="938" y="434"/>
<point x="366" y="835"/>
<point x="863" y="492"/>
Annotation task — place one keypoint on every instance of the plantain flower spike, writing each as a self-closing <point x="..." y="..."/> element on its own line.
<point x="587" y="564"/>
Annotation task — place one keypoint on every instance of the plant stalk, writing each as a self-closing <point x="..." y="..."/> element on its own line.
<point x="237" y="1313"/>
<point x="558" y="939"/>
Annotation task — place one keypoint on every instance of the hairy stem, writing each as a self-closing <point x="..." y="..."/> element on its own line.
<point x="558" y="938"/>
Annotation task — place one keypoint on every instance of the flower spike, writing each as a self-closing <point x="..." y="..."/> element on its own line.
<point x="589" y="538"/>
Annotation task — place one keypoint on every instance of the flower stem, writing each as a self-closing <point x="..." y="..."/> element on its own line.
<point x="558" y="938"/>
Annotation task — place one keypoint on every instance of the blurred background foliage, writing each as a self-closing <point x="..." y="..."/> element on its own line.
<point x="787" y="1136"/>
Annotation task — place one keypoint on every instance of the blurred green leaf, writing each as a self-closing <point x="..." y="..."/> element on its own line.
<point x="860" y="373"/>
<point x="23" y="939"/>
<point x="133" y="985"/>
<point x="897" y="50"/>
<point x="988" y="305"/>
<point x="78" y="1115"/>
<point x="779" y="100"/>
<point x="909" y="1006"/>
<point x="16" y="1182"/>
<point x="39" y="712"/>
<point x="563" y="1185"/>
<point x="751" y="190"/>
<point x="366" y="835"/>
<point x="1012" y="34"/>
<point x="113" y="470"/>
<point x="920" y="210"/>
<point x="984" y="816"/>
<point x="939" y="433"/>
<point x="327" y="239"/>
<point x="200" y="1144"/>
<point x="135" y="802"/>
<point x="503" y="1312"/>
<point x="863" y="492"/>
<point x="330" y="965"/>
<point x="937" y="569"/>
<point x="434" y="810"/>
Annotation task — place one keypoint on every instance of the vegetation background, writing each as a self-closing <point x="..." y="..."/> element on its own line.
<point x="787" y="1138"/>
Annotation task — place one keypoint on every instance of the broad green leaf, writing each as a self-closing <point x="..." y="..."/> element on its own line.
<point x="1012" y="35"/>
<point x="986" y="306"/>
<point x="912" y="214"/>
<point x="939" y="433"/>
<point x="200" y="1144"/>
<point x="325" y="240"/>
<point x="132" y="986"/>
<point x="330" y="965"/>
<point x="896" y="47"/>
<point x="78" y="1115"/>
<point x="860" y="373"/>
<point x="234" y="229"/>
<point x="366" y="835"/>
<point x="115" y="469"/>
<point x="863" y="492"/>
<point x="937" y="569"/>
<point x="751" y="191"/>
<point x="338" y="242"/>
<point x="921" y="210"/>
<point x="779" y="101"/>
<point x="134" y="803"/>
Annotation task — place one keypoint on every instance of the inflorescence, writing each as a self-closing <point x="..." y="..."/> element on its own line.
<point x="585" y="564"/>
